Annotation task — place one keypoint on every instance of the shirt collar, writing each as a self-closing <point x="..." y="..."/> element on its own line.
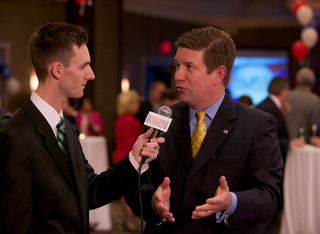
<point x="49" y="113"/>
<point x="275" y="100"/>
<point x="211" y="111"/>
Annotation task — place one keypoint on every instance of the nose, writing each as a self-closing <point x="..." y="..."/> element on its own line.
<point x="179" y="75"/>
<point x="90" y="75"/>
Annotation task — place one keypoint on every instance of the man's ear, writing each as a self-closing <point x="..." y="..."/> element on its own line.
<point x="220" y="74"/>
<point x="56" y="70"/>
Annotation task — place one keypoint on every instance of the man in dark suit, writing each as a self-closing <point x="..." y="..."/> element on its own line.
<point x="153" y="102"/>
<point x="275" y="104"/>
<point x="5" y="115"/>
<point x="46" y="188"/>
<point x="233" y="183"/>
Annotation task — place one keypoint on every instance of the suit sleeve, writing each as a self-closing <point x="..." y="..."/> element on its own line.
<point x="16" y="187"/>
<point x="261" y="197"/>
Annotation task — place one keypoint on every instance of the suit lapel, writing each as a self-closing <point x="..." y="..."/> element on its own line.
<point x="220" y="128"/>
<point x="181" y="133"/>
<point x="44" y="129"/>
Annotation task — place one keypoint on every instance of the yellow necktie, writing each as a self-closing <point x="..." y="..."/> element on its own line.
<point x="198" y="134"/>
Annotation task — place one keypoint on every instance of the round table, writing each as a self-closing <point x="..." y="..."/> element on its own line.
<point x="301" y="213"/>
<point x="95" y="150"/>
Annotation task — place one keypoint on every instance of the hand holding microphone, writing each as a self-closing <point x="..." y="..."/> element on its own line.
<point x="160" y="122"/>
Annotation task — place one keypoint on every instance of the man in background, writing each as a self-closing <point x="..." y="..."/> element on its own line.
<point x="220" y="168"/>
<point x="278" y="91"/>
<point x="305" y="106"/>
<point x="153" y="103"/>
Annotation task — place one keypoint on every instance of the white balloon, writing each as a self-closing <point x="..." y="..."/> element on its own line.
<point x="309" y="36"/>
<point x="304" y="14"/>
<point x="13" y="86"/>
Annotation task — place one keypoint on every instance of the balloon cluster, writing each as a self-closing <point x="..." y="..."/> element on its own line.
<point x="12" y="84"/>
<point x="309" y="35"/>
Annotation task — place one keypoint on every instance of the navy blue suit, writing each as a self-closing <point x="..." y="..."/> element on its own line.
<point x="241" y="145"/>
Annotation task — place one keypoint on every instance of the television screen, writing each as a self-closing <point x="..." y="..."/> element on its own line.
<point x="253" y="70"/>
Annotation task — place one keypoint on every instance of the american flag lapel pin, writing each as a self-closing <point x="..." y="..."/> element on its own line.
<point x="225" y="131"/>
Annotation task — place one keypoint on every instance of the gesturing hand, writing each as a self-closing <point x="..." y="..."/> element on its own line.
<point x="161" y="200"/>
<point x="221" y="201"/>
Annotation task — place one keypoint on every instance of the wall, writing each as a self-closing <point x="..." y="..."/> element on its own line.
<point x="18" y="20"/>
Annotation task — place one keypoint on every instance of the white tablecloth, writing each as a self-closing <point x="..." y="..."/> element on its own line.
<point x="95" y="150"/>
<point x="301" y="212"/>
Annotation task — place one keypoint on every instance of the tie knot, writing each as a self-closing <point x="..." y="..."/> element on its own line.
<point x="61" y="125"/>
<point x="201" y="115"/>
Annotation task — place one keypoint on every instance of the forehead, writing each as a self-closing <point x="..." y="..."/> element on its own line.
<point x="81" y="52"/>
<point x="188" y="55"/>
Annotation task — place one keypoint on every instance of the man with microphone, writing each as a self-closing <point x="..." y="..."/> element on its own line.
<point x="46" y="183"/>
<point x="219" y="169"/>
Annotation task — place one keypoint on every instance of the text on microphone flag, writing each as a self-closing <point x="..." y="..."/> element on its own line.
<point x="157" y="121"/>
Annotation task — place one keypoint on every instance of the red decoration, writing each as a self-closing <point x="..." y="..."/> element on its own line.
<point x="81" y="2"/>
<point x="166" y="47"/>
<point x="299" y="50"/>
<point x="298" y="4"/>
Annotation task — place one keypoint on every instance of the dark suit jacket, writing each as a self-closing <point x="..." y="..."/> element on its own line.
<point x="242" y="145"/>
<point x="145" y="107"/>
<point x="270" y="107"/>
<point x="5" y="115"/>
<point x="40" y="192"/>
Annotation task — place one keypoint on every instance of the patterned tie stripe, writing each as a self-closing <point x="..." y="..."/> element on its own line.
<point x="199" y="133"/>
<point x="60" y="136"/>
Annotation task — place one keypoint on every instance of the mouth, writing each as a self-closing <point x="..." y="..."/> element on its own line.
<point x="180" y="88"/>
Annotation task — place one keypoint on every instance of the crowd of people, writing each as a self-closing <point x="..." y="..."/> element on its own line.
<point x="220" y="166"/>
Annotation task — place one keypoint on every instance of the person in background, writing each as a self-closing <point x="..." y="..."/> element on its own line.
<point x="5" y="115"/>
<point x="70" y="114"/>
<point x="127" y="130"/>
<point x="89" y="120"/>
<point x="220" y="168"/>
<point x="305" y="106"/>
<point x="153" y="103"/>
<point x="169" y="97"/>
<point x="46" y="183"/>
<point x="245" y="100"/>
<point x="278" y="91"/>
<point x="274" y="104"/>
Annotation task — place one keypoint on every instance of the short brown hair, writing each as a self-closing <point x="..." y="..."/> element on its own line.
<point x="54" y="42"/>
<point x="219" y="48"/>
<point x="278" y="84"/>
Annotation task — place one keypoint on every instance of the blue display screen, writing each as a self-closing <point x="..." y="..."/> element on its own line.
<point x="253" y="70"/>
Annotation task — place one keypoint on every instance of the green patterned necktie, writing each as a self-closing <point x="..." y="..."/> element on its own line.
<point x="61" y="129"/>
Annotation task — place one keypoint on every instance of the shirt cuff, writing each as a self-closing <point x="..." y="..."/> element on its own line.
<point x="225" y="215"/>
<point x="136" y="165"/>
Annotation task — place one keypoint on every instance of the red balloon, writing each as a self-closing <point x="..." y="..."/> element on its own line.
<point x="297" y="5"/>
<point x="81" y="2"/>
<point x="299" y="50"/>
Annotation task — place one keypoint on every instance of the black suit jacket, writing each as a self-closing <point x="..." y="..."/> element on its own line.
<point x="40" y="191"/>
<point x="5" y="115"/>
<point x="241" y="145"/>
<point x="270" y="107"/>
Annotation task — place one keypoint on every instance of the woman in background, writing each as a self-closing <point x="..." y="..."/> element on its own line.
<point x="89" y="120"/>
<point x="127" y="130"/>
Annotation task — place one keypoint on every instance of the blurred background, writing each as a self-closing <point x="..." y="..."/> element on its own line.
<point x="131" y="43"/>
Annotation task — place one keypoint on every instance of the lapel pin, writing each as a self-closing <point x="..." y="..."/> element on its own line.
<point x="225" y="131"/>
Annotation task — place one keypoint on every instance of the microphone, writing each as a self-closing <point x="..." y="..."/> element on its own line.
<point x="160" y="121"/>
